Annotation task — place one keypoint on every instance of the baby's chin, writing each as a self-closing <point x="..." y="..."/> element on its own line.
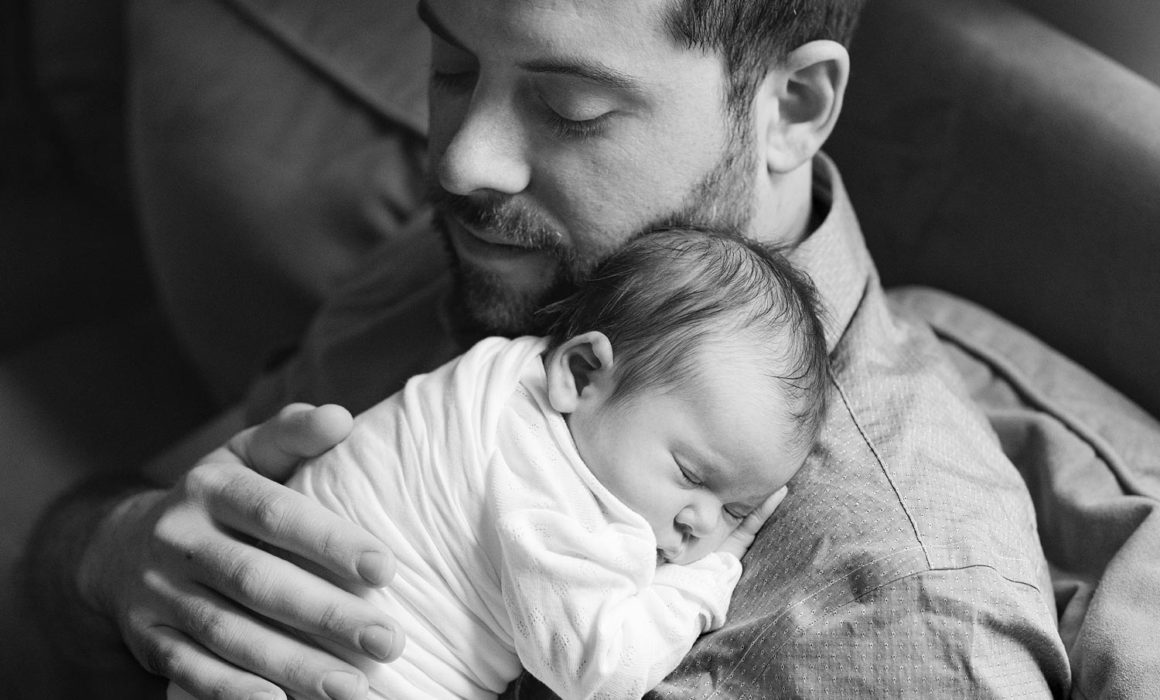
<point x="681" y="560"/>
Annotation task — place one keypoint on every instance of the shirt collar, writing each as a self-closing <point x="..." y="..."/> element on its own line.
<point x="835" y="254"/>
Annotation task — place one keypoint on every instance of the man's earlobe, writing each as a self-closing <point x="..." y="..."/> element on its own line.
<point x="578" y="370"/>
<point x="799" y="102"/>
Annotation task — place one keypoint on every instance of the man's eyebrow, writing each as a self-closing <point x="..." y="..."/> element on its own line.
<point x="437" y="27"/>
<point x="582" y="68"/>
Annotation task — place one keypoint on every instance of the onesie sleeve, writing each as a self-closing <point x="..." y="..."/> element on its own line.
<point x="592" y="614"/>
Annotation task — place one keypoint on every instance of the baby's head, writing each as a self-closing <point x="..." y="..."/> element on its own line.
<point x="692" y="370"/>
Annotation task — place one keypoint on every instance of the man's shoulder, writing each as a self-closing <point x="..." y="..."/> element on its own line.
<point x="905" y="447"/>
<point x="907" y="478"/>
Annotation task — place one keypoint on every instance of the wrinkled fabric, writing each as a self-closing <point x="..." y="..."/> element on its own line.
<point x="906" y="559"/>
<point x="508" y="549"/>
<point x="1092" y="461"/>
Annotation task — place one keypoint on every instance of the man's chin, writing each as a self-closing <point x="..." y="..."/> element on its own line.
<point x="506" y="318"/>
<point x="489" y="308"/>
<point x="500" y="292"/>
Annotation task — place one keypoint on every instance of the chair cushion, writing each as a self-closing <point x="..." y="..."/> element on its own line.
<point x="275" y="145"/>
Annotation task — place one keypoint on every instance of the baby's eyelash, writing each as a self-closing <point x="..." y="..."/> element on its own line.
<point x="689" y="477"/>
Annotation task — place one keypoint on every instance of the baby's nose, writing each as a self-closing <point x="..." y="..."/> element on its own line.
<point x="698" y="521"/>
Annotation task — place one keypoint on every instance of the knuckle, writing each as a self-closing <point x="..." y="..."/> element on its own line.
<point x="222" y="690"/>
<point x="170" y="529"/>
<point x="156" y="656"/>
<point x="333" y="620"/>
<point x="299" y="671"/>
<point x="206" y="622"/>
<point x="248" y="580"/>
<point x="205" y="480"/>
<point x="331" y="543"/>
<point x="135" y="624"/>
<point x="269" y="512"/>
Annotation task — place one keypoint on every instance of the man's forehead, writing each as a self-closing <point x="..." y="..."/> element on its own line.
<point x="621" y="44"/>
<point x="554" y="20"/>
<point x="575" y="8"/>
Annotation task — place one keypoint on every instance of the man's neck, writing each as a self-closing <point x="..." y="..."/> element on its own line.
<point x="786" y="214"/>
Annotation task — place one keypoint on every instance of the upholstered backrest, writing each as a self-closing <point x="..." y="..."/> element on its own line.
<point x="990" y="155"/>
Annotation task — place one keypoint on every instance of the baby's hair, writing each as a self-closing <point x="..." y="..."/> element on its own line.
<point x="660" y="296"/>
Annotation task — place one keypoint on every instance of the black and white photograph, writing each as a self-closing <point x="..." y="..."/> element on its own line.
<point x="579" y="349"/>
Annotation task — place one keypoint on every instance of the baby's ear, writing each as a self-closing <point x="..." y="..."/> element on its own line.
<point x="579" y="371"/>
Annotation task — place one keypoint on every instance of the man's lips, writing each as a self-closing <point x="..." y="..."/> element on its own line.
<point x="486" y="250"/>
<point x="483" y="237"/>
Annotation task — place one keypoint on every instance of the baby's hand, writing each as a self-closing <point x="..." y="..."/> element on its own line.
<point x="739" y="541"/>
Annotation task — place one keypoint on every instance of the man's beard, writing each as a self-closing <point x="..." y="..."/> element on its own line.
<point x="484" y="304"/>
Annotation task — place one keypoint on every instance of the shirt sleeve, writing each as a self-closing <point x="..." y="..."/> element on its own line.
<point x="592" y="616"/>
<point x="939" y="633"/>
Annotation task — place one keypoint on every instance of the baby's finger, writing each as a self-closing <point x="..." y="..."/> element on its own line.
<point x="753" y="522"/>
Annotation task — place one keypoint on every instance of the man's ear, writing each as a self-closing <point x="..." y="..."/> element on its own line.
<point x="579" y="370"/>
<point x="798" y="103"/>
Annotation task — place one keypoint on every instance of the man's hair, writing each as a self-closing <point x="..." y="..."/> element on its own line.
<point x="663" y="296"/>
<point x="756" y="35"/>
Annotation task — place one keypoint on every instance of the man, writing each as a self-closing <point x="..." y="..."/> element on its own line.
<point x="904" y="561"/>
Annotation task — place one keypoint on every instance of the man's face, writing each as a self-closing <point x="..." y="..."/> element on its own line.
<point x="560" y="129"/>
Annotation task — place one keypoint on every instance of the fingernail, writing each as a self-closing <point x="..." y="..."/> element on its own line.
<point x="379" y="642"/>
<point x="375" y="568"/>
<point x="341" y="685"/>
<point x="264" y="695"/>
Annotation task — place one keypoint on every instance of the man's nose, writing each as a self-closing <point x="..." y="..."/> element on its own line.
<point x="488" y="151"/>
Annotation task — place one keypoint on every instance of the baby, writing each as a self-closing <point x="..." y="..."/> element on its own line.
<point x="578" y="504"/>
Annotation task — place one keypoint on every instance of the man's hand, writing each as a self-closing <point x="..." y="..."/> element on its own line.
<point x="198" y="601"/>
<point x="741" y="539"/>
